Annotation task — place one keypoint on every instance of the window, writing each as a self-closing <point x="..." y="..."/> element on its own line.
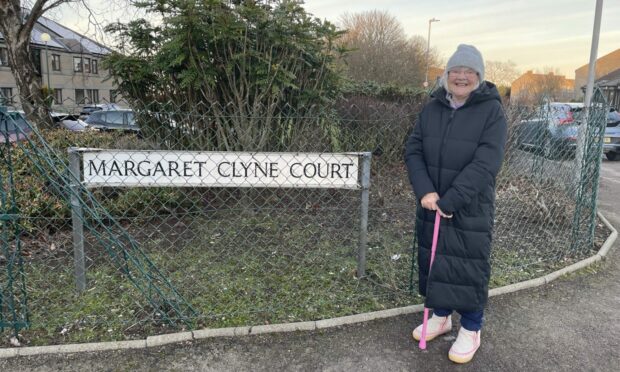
<point x="4" y="57"/>
<point x="77" y="64"/>
<point x="113" y="96"/>
<point x="6" y="95"/>
<point x="79" y="96"/>
<point x="130" y="118"/>
<point x="86" y="96"/>
<point x="86" y="65"/>
<point x="93" y="95"/>
<point x="35" y="55"/>
<point x="58" y="96"/>
<point x="114" y="117"/>
<point x="55" y="62"/>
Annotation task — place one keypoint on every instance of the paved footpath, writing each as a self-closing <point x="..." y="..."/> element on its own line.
<point x="571" y="324"/>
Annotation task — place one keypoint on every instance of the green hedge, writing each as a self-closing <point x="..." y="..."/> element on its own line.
<point x="37" y="195"/>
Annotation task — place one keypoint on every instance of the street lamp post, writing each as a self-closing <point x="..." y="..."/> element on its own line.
<point x="45" y="37"/>
<point x="428" y="49"/>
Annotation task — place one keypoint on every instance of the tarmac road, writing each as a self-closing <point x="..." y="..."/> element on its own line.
<point x="571" y="324"/>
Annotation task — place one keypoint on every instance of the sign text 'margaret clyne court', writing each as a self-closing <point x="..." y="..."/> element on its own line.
<point x="220" y="169"/>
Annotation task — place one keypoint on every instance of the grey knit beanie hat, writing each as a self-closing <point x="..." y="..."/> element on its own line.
<point x="467" y="56"/>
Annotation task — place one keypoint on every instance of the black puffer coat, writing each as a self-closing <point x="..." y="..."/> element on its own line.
<point x="457" y="153"/>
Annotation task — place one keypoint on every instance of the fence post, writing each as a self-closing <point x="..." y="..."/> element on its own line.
<point x="365" y="184"/>
<point x="77" y="218"/>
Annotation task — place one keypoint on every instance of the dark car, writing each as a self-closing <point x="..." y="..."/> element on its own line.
<point x="553" y="131"/>
<point x="13" y="127"/>
<point x="113" y="120"/>
<point x="611" y="141"/>
<point x="89" y="109"/>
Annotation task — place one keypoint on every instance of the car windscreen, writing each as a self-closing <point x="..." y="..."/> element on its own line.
<point x="95" y="116"/>
<point x="613" y="118"/>
<point x="566" y="115"/>
<point x="114" y="117"/>
<point x="90" y="109"/>
<point x="130" y="118"/>
<point x="14" y="122"/>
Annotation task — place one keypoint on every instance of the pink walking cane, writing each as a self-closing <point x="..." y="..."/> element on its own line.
<point x="433" y="249"/>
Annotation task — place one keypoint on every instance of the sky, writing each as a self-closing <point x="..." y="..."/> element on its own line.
<point x="539" y="35"/>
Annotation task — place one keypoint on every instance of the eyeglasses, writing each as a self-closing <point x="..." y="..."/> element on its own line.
<point x="462" y="71"/>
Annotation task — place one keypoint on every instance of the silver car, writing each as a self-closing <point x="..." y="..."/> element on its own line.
<point x="611" y="142"/>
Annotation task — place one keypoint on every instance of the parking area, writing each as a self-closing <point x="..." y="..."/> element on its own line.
<point x="610" y="173"/>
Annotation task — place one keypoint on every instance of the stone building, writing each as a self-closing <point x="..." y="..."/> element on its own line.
<point x="69" y="63"/>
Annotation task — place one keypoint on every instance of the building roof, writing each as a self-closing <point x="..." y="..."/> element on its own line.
<point x="611" y="79"/>
<point x="64" y="38"/>
<point x="607" y="57"/>
<point x="530" y="77"/>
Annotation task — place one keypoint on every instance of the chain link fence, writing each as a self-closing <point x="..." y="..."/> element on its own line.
<point x="158" y="259"/>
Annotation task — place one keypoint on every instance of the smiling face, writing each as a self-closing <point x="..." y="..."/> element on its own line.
<point x="461" y="82"/>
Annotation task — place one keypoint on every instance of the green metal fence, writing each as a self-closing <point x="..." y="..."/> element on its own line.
<point x="13" y="296"/>
<point x="158" y="259"/>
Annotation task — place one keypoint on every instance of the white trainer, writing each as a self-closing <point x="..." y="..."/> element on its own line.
<point x="436" y="326"/>
<point x="465" y="346"/>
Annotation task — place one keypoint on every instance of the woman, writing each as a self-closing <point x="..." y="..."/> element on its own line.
<point x="453" y="156"/>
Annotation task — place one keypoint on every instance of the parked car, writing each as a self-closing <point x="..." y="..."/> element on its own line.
<point x="89" y="109"/>
<point x="14" y="127"/>
<point x="113" y="120"/>
<point x="553" y="130"/>
<point x="611" y="141"/>
<point x="69" y="121"/>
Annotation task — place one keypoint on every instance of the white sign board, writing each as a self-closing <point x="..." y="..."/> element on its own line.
<point x="220" y="169"/>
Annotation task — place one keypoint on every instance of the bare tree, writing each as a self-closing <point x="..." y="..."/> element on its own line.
<point x="501" y="73"/>
<point x="416" y="58"/>
<point x="554" y="87"/>
<point x="531" y="87"/>
<point x="380" y="50"/>
<point x="17" y="19"/>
